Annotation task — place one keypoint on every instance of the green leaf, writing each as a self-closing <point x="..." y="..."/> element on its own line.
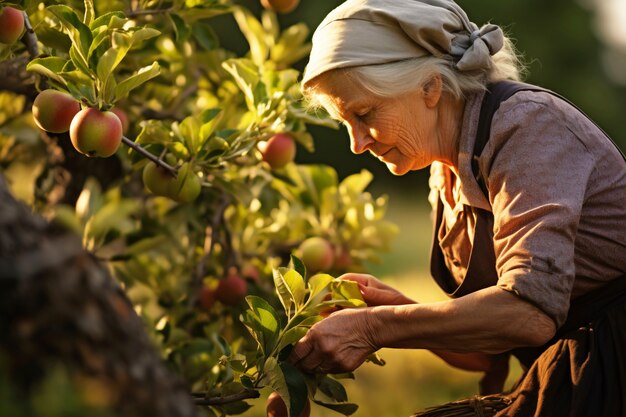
<point x="246" y="76"/>
<point x="206" y="36"/>
<point x="254" y="33"/>
<point x="49" y="67"/>
<point x="289" y="382"/>
<point x="295" y="282"/>
<point x="89" y="12"/>
<point x="264" y="322"/>
<point x="79" y="61"/>
<point x="107" y="64"/>
<point x="319" y="287"/>
<point x="282" y="289"/>
<point x="142" y="34"/>
<point x="296" y="333"/>
<point x="181" y="29"/>
<point x="348" y="290"/>
<point x="333" y="389"/>
<point x="76" y="29"/>
<point x="112" y="20"/>
<point x="346" y="409"/>
<point x="135" y="80"/>
<point x="298" y="265"/>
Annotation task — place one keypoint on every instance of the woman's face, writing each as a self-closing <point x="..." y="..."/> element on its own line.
<point x="399" y="131"/>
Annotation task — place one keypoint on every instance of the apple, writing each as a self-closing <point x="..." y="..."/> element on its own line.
<point x="121" y="114"/>
<point x="275" y="406"/>
<point x="317" y="254"/>
<point x="54" y="110"/>
<point x="278" y="151"/>
<point x="186" y="187"/>
<point x="96" y="133"/>
<point x="280" y="6"/>
<point x="11" y="25"/>
<point x="157" y="180"/>
<point x="206" y="297"/>
<point x="251" y="272"/>
<point x="343" y="260"/>
<point x="231" y="289"/>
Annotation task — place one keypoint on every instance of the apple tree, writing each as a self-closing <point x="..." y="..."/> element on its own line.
<point x="173" y="160"/>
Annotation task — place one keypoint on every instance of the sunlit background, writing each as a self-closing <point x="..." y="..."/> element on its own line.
<point x="577" y="48"/>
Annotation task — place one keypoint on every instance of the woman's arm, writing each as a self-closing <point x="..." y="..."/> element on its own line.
<point x="489" y="321"/>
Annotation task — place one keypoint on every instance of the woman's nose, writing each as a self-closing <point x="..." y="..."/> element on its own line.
<point x="360" y="140"/>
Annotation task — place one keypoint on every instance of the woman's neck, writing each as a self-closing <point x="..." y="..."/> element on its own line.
<point x="449" y="131"/>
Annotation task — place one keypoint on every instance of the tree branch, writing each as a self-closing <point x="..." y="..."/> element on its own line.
<point x="139" y="149"/>
<point x="226" y="399"/>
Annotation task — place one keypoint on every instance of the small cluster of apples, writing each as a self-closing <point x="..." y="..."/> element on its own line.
<point x="230" y="290"/>
<point x="11" y="25"/>
<point x="93" y="132"/>
<point x="278" y="151"/>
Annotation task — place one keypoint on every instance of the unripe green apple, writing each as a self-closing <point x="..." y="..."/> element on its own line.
<point x="187" y="186"/>
<point x="279" y="150"/>
<point x="96" y="133"/>
<point x="11" y="25"/>
<point x="157" y="180"/>
<point x="275" y="406"/>
<point x="280" y="6"/>
<point x="54" y="110"/>
<point x="317" y="254"/>
<point x="231" y="289"/>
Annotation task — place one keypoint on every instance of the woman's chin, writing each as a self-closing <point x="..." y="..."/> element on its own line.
<point x="397" y="170"/>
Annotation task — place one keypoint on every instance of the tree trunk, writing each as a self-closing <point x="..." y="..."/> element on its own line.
<point x="60" y="306"/>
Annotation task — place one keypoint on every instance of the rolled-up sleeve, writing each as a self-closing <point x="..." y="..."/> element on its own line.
<point x="537" y="180"/>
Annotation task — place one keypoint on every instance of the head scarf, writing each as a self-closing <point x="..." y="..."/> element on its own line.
<point x="371" y="32"/>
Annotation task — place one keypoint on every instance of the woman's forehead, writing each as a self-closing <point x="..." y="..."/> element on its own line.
<point x="339" y="94"/>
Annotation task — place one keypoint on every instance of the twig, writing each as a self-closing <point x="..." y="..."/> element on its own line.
<point x="216" y="222"/>
<point x="227" y="399"/>
<point x="30" y="38"/>
<point x="139" y="149"/>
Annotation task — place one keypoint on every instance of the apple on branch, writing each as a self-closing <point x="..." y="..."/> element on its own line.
<point x="278" y="151"/>
<point x="54" y="110"/>
<point x="11" y="25"/>
<point x="317" y="254"/>
<point x="96" y="133"/>
<point x="231" y="289"/>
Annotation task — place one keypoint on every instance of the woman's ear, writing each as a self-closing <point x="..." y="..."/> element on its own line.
<point x="432" y="90"/>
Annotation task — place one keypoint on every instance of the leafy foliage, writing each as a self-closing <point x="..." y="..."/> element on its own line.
<point x="196" y="109"/>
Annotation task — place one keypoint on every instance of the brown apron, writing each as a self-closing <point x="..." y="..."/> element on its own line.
<point x="582" y="370"/>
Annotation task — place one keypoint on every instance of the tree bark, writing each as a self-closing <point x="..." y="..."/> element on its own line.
<point x="60" y="306"/>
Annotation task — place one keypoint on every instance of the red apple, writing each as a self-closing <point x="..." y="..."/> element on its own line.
<point x="206" y="297"/>
<point x="278" y="151"/>
<point x="121" y="114"/>
<point x="251" y="272"/>
<point x="11" y="25"/>
<point x="231" y="289"/>
<point x="317" y="254"/>
<point x="275" y="406"/>
<point x="280" y="6"/>
<point x="54" y="110"/>
<point x="96" y="133"/>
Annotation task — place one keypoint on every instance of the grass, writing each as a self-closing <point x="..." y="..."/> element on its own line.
<point x="411" y="380"/>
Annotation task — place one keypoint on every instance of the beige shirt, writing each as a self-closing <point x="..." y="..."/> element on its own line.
<point x="557" y="189"/>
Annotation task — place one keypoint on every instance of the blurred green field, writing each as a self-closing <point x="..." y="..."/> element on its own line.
<point x="412" y="379"/>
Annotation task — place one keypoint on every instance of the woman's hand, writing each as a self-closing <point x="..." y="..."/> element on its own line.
<point x="375" y="293"/>
<point x="339" y="343"/>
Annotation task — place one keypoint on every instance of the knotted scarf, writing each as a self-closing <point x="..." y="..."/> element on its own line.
<point x="372" y="32"/>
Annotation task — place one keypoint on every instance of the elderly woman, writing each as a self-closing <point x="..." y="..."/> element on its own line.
<point x="530" y="231"/>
